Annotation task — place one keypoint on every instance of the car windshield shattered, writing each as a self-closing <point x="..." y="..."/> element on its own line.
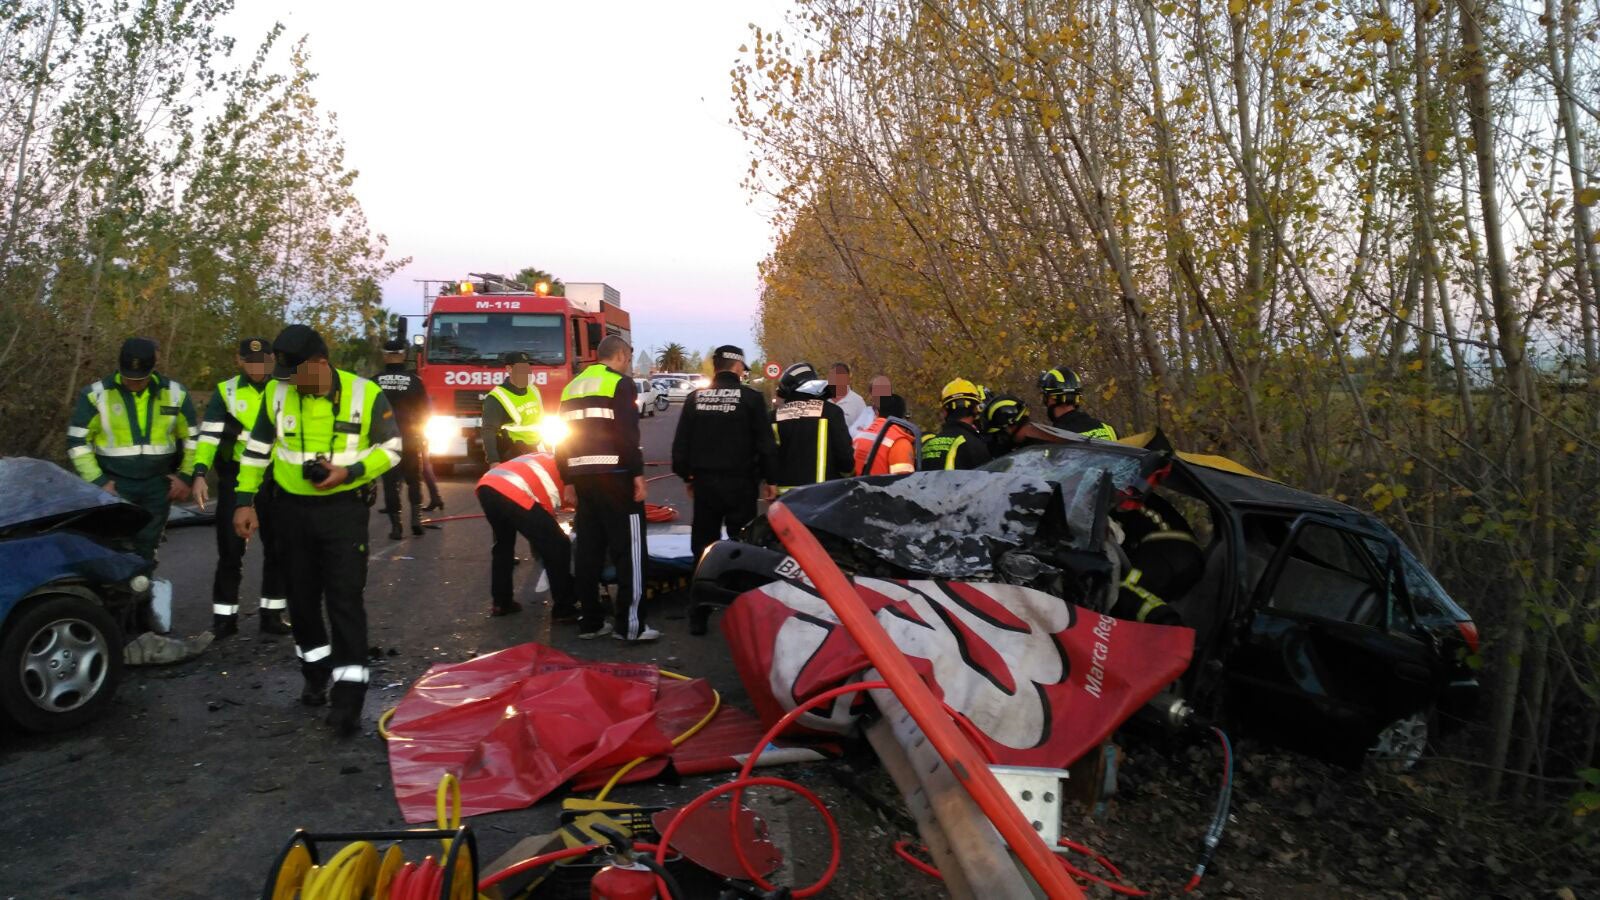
<point x="943" y="524"/>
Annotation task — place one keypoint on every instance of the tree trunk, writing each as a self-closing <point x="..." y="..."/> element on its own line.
<point x="1518" y="381"/>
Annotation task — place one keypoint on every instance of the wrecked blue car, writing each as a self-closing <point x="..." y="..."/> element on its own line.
<point x="70" y="589"/>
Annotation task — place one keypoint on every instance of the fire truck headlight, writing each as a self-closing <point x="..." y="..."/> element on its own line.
<point x="553" y="430"/>
<point x="440" y="431"/>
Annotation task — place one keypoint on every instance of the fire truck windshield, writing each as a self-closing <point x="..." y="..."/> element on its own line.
<point x="480" y="338"/>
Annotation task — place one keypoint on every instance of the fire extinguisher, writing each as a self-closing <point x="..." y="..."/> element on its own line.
<point x="629" y="876"/>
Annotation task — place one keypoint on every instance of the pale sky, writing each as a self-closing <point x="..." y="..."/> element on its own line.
<point x="588" y="138"/>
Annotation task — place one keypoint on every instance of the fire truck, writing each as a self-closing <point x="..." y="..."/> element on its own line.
<point x="469" y="325"/>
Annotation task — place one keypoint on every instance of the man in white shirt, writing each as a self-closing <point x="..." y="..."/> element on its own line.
<point x="850" y="402"/>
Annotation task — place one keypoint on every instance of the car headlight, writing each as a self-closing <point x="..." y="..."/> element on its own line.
<point x="139" y="584"/>
<point x="440" y="430"/>
<point x="553" y="430"/>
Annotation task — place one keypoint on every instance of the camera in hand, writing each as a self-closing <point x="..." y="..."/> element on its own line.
<point x="316" y="470"/>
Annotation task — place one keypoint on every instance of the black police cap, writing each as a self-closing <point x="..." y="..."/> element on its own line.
<point x="394" y="345"/>
<point x="512" y="357"/>
<point x="138" y="358"/>
<point x="293" y="346"/>
<point x="255" y="349"/>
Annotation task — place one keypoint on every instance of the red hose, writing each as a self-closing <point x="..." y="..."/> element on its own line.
<point x="545" y="859"/>
<point x="739" y="785"/>
<point x="654" y="512"/>
<point x="900" y="850"/>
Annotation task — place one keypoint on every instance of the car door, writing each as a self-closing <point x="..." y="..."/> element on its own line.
<point x="1331" y="651"/>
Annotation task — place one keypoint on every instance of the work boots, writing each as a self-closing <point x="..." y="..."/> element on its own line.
<point x="273" y="622"/>
<point x="315" y="693"/>
<point x="395" y="533"/>
<point x="224" y="626"/>
<point x="416" y="522"/>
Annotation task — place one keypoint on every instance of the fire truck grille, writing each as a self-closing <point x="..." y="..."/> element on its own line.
<point x="470" y="403"/>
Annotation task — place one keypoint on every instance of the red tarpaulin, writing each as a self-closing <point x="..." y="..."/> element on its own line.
<point x="515" y="725"/>
<point x="1044" y="680"/>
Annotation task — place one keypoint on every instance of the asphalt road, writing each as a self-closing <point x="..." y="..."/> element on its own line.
<point x="200" y="772"/>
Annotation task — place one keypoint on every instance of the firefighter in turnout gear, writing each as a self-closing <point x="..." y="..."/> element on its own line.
<point x="1061" y="390"/>
<point x="896" y="453"/>
<point x="408" y="398"/>
<point x="326" y="434"/>
<point x="229" y="416"/>
<point x="512" y="412"/>
<point x="723" y="450"/>
<point x="1164" y="558"/>
<point x="134" y="433"/>
<point x="603" y="468"/>
<point x="1003" y="415"/>
<point x="813" y="437"/>
<point x="958" y="445"/>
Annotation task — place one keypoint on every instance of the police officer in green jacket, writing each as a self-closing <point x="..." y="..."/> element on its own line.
<point x="512" y="412"/>
<point x="133" y="433"/>
<point x="325" y="433"/>
<point x="226" y="424"/>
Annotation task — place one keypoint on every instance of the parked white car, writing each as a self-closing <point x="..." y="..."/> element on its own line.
<point x="650" y="400"/>
<point x="676" y="390"/>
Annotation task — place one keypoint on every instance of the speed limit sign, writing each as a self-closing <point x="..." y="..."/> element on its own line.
<point x="774" y="370"/>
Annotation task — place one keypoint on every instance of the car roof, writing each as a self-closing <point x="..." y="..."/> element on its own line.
<point x="1228" y="481"/>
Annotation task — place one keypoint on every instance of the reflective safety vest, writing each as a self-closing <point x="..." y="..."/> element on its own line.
<point x="593" y="445"/>
<point x="895" y="454"/>
<point x="530" y="478"/>
<point x="135" y="436"/>
<point x="595" y="382"/>
<point x="523" y="412"/>
<point x="241" y="402"/>
<point x="308" y="427"/>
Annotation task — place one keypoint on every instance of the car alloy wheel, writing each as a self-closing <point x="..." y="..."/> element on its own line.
<point x="1401" y="743"/>
<point x="64" y="665"/>
<point x="60" y="661"/>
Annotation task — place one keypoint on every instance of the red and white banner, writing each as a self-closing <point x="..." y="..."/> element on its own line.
<point x="1044" y="680"/>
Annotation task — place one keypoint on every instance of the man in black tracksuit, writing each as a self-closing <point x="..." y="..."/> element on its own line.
<point x="813" y="438"/>
<point x="408" y="398"/>
<point x="723" y="450"/>
<point x="602" y="466"/>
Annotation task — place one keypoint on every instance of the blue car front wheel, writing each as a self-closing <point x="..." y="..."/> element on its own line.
<point x="60" y="662"/>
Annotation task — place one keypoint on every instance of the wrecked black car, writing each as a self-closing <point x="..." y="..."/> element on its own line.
<point x="1314" y="625"/>
<point x="70" y="589"/>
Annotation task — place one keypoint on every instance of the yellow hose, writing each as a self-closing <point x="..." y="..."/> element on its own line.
<point x="716" y="704"/>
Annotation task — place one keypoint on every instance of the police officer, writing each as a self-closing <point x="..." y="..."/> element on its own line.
<point x="723" y="449"/>
<point x="1003" y="416"/>
<point x="603" y="468"/>
<point x="520" y="496"/>
<point x="134" y="434"/>
<point x="326" y="433"/>
<point x="512" y="411"/>
<point x="958" y="445"/>
<point x="1061" y="389"/>
<point x="230" y="413"/>
<point x="408" y="398"/>
<point x="813" y="436"/>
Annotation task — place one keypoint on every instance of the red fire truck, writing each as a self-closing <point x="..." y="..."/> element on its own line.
<point x="469" y="326"/>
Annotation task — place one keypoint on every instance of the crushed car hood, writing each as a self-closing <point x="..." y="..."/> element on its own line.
<point x="945" y="524"/>
<point x="36" y="495"/>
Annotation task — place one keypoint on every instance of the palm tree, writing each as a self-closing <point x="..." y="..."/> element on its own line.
<point x="674" y="357"/>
